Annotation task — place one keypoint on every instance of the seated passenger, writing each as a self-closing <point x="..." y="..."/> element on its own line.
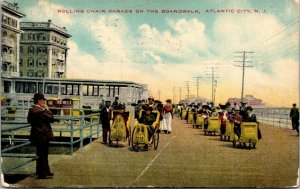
<point x="250" y="117"/>
<point x="206" y="113"/>
<point x="223" y="116"/>
<point x="237" y="118"/>
<point x="148" y="119"/>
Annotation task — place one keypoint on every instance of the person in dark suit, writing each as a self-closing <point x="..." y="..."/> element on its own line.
<point x="251" y="117"/>
<point x="294" y="115"/>
<point x="104" y="118"/>
<point x="40" y="117"/>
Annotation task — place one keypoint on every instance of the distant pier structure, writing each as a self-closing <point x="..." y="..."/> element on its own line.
<point x="20" y="90"/>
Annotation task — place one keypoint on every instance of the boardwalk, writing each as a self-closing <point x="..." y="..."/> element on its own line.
<point x="184" y="158"/>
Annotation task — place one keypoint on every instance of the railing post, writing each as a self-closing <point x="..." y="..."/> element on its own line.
<point x="98" y="127"/>
<point x="91" y="130"/>
<point x="81" y="131"/>
<point x="71" y="132"/>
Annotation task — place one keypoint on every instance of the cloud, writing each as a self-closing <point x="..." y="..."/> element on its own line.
<point x="111" y="33"/>
<point x="183" y="39"/>
<point x="147" y="57"/>
<point x="47" y="10"/>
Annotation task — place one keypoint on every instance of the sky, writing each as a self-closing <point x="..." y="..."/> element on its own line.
<point x="152" y="44"/>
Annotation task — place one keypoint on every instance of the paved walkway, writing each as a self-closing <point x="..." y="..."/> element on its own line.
<point x="184" y="158"/>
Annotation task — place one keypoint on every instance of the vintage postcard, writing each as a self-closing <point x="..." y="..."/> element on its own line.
<point x="202" y="62"/>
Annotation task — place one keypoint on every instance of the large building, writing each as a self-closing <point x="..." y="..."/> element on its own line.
<point x="34" y="59"/>
<point x="43" y="50"/>
<point x="250" y="99"/>
<point x="10" y="38"/>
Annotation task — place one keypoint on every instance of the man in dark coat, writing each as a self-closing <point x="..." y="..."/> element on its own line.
<point x="40" y="117"/>
<point x="104" y="118"/>
<point x="294" y="115"/>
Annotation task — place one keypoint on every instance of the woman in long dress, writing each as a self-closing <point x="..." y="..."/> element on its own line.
<point x="168" y="115"/>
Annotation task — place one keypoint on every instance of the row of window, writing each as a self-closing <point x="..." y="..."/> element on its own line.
<point x="4" y="34"/>
<point x="41" y="49"/>
<point x="59" y="40"/>
<point x="32" y="73"/>
<point x="9" y="21"/>
<point x="10" y="68"/>
<point x="34" y="36"/>
<point x="65" y="89"/>
<point x="6" y="50"/>
<point x="43" y="37"/>
<point x="33" y="49"/>
<point x="40" y="62"/>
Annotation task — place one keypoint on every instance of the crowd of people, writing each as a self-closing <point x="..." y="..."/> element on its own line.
<point x="40" y="117"/>
<point x="227" y="111"/>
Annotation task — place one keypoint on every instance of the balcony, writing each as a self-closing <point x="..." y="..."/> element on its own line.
<point x="60" y="69"/>
<point x="60" y="57"/>
<point x="7" y="42"/>
<point x="7" y="57"/>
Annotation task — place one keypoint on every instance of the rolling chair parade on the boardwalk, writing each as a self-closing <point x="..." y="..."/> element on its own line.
<point x="232" y="123"/>
<point x="149" y="119"/>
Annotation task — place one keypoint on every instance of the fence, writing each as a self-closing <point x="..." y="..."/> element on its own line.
<point x="15" y="132"/>
<point x="279" y="117"/>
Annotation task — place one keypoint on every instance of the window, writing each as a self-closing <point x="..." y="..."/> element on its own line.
<point x="4" y="50"/>
<point x="21" y="49"/>
<point x="40" y="74"/>
<point x="39" y="36"/>
<point x="21" y="62"/>
<point x="96" y="91"/>
<point x="39" y="49"/>
<point x="31" y="49"/>
<point x="30" y="36"/>
<point x="7" y="86"/>
<point x="63" y="89"/>
<point x="30" y="73"/>
<point x="4" y="33"/>
<point x="30" y="62"/>
<point x="4" y="19"/>
<point x="25" y="87"/>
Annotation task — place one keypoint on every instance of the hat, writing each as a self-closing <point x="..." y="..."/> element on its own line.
<point x="39" y="96"/>
<point x="205" y="106"/>
<point x="222" y="106"/>
<point x="151" y="97"/>
<point x="249" y="108"/>
<point x="244" y="102"/>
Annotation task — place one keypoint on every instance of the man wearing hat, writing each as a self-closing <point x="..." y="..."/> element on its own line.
<point x="294" y="115"/>
<point x="40" y="117"/>
<point x="251" y="117"/>
<point x="243" y="109"/>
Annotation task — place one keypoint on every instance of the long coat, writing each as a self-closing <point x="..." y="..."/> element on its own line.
<point x="104" y="118"/>
<point x="40" y="119"/>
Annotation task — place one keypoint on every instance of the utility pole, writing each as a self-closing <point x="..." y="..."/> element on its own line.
<point x="215" y="88"/>
<point x="197" y="83"/>
<point x="244" y="61"/>
<point x="158" y="94"/>
<point x="213" y="77"/>
<point x="179" y="94"/>
<point x="173" y="101"/>
<point x="188" y="89"/>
